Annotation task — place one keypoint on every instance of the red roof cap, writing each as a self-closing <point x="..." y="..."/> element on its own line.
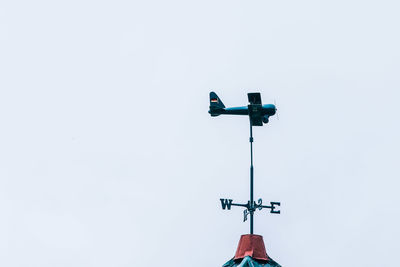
<point x="253" y="246"/>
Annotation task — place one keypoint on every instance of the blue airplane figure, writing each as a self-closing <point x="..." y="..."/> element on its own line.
<point x="257" y="112"/>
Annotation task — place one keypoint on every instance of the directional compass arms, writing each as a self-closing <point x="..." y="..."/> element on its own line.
<point x="250" y="209"/>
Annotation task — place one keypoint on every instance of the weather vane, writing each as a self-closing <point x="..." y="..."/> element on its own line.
<point x="258" y="114"/>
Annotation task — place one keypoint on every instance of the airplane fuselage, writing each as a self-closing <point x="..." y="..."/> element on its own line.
<point x="261" y="110"/>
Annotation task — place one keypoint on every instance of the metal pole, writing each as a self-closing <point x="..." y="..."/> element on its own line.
<point x="251" y="179"/>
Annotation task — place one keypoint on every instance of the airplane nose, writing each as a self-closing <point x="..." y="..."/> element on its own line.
<point x="274" y="109"/>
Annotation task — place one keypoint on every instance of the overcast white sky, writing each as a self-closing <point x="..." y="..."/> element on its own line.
<point x="108" y="156"/>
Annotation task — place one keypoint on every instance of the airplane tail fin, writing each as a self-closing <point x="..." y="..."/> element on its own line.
<point x="215" y="102"/>
<point x="216" y="105"/>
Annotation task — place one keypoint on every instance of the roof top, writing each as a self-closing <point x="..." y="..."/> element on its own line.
<point x="253" y="246"/>
<point x="251" y="252"/>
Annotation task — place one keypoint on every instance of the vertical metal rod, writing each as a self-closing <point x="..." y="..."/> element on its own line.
<point x="251" y="179"/>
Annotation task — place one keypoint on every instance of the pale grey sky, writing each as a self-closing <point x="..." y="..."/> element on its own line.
<point x="108" y="156"/>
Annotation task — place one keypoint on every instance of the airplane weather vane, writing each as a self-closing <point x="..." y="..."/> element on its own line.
<point x="258" y="114"/>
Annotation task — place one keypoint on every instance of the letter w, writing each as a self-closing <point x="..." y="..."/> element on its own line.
<point x="226" y="203"/>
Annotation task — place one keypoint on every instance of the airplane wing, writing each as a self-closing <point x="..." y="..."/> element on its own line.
<point x="256" y="121"/>
<point x="255" y="109"/>
<point x="254" y="98"/>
